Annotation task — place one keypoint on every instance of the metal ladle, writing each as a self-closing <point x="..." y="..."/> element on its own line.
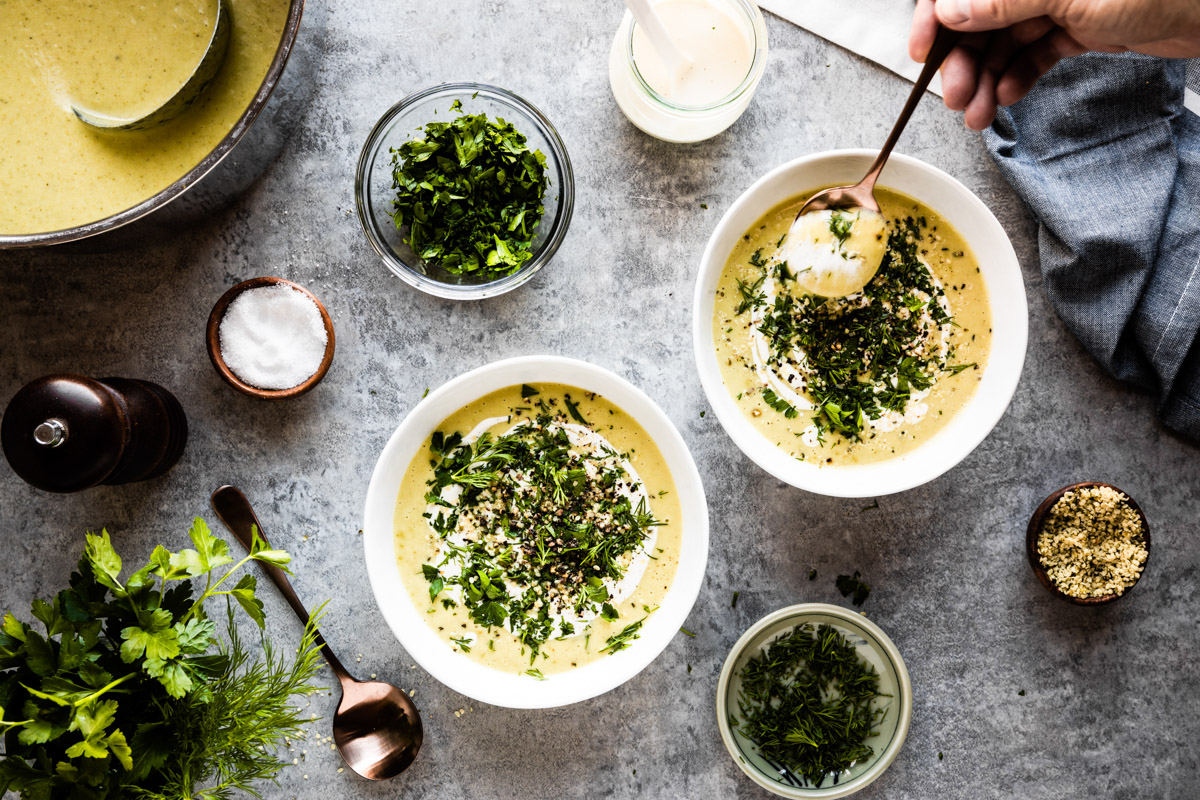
<point x="206" y="70"/>
<point x="376" y="727"/>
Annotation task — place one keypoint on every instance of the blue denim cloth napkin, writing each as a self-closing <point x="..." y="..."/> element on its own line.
<point x="1108" y="160"/>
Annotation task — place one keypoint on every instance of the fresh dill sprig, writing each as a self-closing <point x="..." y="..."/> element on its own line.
<point x="228" y="737"/>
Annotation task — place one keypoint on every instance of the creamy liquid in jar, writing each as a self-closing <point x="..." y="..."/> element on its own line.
<point x="718" y="44"/>
<point x="727" y="43"/>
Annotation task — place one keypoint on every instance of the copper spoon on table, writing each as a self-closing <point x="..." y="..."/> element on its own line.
<point x="376" y="726"/>
<point x="862" y="194"/>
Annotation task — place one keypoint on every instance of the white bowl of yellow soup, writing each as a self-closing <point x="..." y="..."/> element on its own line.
<point x="886" y="412"/>
<point x="588" y="654"/>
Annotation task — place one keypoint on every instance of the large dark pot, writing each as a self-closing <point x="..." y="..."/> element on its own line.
<point x="236" y="162"/>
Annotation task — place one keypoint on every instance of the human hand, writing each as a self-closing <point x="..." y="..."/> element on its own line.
<point x="1012" y="43"/>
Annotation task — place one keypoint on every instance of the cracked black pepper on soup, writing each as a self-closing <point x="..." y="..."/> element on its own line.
<point x="538" y="529"/>
<point x="857" y="379"/>
<point x="1092" y="543"/>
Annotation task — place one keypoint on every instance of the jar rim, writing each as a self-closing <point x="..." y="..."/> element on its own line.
<point x="758" y="29"/>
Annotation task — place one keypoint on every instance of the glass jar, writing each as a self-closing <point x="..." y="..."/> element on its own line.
<point x="673" y="122"/>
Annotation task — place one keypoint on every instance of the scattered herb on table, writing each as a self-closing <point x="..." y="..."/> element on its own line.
<point x="812" y="574"/>
<point x="807" y="702"/>
<point x="129" y="692"/>
<point x="534" y="527"/>
<point x="851" y="585"/>
<point x="687" y="633"/>
<point x="733" y="602"/>
<point x="470" y="194"/>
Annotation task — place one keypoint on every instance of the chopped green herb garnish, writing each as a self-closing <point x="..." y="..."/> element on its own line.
<point x="535" y="673"/>
<point x="841" y="226"/>
<point x="867" y="354"/>
<point x="573" y="408"/>
<point x="622" y="640"/>
<point x="851" y="585"/>
<point x="535" y="525"/>
<point x="463" y="643"/>
<point x="807" y="703"/>
<point x="528" y="391"/>
<point x="752" y="294"/>
<point x="780" y="405"/>
<point x="469" y="194"/>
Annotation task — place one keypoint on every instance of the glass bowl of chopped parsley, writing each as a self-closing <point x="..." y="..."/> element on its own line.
<point x="814" y="701"/>
<point x="464" y="190"/>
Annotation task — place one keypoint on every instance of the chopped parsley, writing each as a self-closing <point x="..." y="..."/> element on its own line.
<point x="863" y="355"/>
<point x="469" y="195"/>
<point x="533" y="525"/>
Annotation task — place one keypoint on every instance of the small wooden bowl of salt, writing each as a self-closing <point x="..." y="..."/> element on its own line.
<point x="270" y="338"/>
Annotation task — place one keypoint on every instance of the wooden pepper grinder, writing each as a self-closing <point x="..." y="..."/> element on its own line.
<point x="65" y="433"/>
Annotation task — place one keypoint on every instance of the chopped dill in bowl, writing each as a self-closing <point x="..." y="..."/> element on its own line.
<point x="470" y="194"/>
<point x="808" y="704"/>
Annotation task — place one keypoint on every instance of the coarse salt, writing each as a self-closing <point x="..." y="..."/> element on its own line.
<point x="273" y="337"/>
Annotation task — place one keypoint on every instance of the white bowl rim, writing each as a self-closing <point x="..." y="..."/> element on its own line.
<point x="419" y="640"/>
<point x="963" y="432"/>
<point x="881" y="639"/>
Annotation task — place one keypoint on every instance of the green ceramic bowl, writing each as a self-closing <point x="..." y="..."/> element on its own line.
<point x="873" y="646"/>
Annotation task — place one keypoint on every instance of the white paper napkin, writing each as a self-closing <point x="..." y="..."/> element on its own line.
<point x="875" y="29"/>
<point x="878" y="30"/>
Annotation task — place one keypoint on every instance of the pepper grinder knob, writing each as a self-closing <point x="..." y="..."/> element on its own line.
<point x="64" y="433"/>
<point x="50" y="433"/>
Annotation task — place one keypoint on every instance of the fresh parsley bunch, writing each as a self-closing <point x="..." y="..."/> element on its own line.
<point x="130" y="693"/>
<point x="470" y="193"/>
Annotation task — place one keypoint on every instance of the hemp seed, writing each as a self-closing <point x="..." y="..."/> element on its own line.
<point x="1092" y="543"/>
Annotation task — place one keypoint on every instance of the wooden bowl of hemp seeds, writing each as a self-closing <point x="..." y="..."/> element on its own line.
<point x="1088" y="543"/>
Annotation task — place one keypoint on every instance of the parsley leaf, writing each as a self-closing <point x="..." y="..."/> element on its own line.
<point x="469" y="195"/>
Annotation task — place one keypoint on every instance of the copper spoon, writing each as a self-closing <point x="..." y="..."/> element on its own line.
<point x="862" y="194"/>
<point x="376" y="726"/>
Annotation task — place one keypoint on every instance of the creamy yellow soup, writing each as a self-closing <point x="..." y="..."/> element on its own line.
<point x="123" y="58"/>
<point x="952" y="264"/>
<point x="417" y="544"/>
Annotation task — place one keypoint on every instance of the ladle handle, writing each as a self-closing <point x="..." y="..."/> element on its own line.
<point x="235" y="511"/>
<point x="943" y="43"/>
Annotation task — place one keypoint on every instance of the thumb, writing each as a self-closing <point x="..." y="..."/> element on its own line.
<point x="990" y="15"/>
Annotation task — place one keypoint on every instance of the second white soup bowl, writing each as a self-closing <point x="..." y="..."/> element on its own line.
<point x="1005" y="290"/>
<point x="407" y="621"/>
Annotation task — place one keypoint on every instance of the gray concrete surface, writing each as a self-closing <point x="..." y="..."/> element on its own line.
<point x="1109" y="706"/>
